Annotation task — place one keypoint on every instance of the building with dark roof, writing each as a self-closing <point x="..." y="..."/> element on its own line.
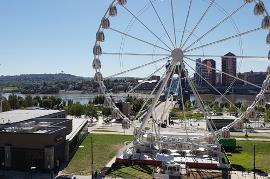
<point x="44" y="139"/>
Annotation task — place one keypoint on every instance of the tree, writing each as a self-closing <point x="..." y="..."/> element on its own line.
<point x="13" y="101"/>
<point x="243" y="107"/>
<point x="76" y="110"/>
<point x="106" y="111"/>
<point x="91" y="111"/>
<point x="5" y="105"/>
<point x="28" y="101"/>
<point x="216" y="108"/>
<point x="187" y="105"/>
<point x="267" y="116"/>
<point x="232" y="109"/>
<point x="47" y="103"/>
<point x="99" y="99"/>
<point x="37" y="100"/>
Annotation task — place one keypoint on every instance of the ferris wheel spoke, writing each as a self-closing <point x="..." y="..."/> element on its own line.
<point x="225" y="39"/>
<point x="157" y="96"/>
<point x="159" y="18"/>
<point x="241" y="56"/>
<point x="182" y="97"/>
<point x="167" y="95"/>
<point x="145" y="79"/>
<point x="173" y="19"/>
<point x="186" y="21"/>
<point x="146" y="27"/>
<point x="135" y="54"/>
<point x="224" y="73"/>
<point x="149" y="96"/>
<point x="209" y="84"/>
<point x="198" y="23"/>
<point x="199" y="101"/>
<point x="216" y="26"/>
<point x="138" y="39"/>
<point x="138" y="67"/>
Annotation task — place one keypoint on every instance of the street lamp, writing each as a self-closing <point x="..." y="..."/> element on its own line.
<point x="31" y="169"/>
<point x="3" y="165"/>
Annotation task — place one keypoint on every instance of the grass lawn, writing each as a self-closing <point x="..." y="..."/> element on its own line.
<point x="105" y="147"/>
<point x="243" y="158"/>
<point x="132" y="171"/>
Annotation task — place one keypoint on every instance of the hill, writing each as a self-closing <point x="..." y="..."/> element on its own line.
<point x="39" y="78"/>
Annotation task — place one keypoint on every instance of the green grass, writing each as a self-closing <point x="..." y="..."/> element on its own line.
<point x="132" y="171"/>
<point x="105" y="147"/>
<point x="243" y="158"/>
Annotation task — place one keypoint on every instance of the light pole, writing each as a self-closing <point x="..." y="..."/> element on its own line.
<point x="31" y="169"/>
<point x="92" y="155"/>
<point x="3" y="165"/>
<point x="254" y="160"/>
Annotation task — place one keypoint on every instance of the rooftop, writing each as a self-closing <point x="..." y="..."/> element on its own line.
<point x="223" y="117"/>
<point x="77" y="125"/>
<point x="23" y="115"/>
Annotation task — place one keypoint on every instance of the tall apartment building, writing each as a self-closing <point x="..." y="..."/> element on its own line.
<point x="228" y="66"/>
<point x="209" y="72"/>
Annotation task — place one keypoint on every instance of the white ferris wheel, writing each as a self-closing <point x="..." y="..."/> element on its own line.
<point x="147" y="38"/>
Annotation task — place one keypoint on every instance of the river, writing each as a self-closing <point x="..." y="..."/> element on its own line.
<point x="78" y="96"/>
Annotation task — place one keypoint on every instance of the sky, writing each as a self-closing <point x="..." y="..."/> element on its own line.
<point x="51" y="36"/>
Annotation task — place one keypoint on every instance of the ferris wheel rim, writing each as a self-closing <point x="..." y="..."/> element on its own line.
<point x="262" y="92"/>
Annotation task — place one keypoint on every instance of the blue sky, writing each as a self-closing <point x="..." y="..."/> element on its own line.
<point x="53" y="35"/>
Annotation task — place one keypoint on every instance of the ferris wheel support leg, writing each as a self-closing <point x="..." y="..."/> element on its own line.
<point x="199" y="102"/>
<point x="160" y="90"/>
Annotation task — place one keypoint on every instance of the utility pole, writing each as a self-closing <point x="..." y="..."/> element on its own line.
<point x="92" y="157"/>
<point x="254" y="160"/>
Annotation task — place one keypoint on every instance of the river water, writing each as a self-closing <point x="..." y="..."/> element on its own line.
<point x="77" y="96"/>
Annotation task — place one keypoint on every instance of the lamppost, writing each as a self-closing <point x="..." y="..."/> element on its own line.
<point x="92" y="155"/>
<point x="31" y="169"/>
<point x="3" y="165"/>
<point x="254" y="161"/>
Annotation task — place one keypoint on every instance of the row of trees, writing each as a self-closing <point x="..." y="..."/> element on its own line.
<point x="17" y="102"/>
<point x="89" y="110"/>
<point x="217" y="107"/>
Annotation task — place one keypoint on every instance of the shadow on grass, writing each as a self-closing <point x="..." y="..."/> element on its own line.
<point x="116" y="170"/>
<point x="260" y="172"/>
<point x="238" y="167"/>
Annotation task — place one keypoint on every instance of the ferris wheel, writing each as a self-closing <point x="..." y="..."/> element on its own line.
<point x="169" y="38"/>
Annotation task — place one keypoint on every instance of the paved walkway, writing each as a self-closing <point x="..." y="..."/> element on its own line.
<point x="253" y="139"/>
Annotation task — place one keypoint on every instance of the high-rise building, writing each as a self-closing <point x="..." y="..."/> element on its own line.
<point x="229" y="67"/>
<point x="209" y="72"/>
<point x="198" y="75"/>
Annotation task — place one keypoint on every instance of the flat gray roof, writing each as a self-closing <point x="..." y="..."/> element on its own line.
<point x="77" y="125"/>
<point x="223" y="117"/>
<point x="23" y="115"/>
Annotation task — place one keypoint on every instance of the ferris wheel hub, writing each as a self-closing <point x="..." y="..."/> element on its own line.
<point x="177" y="54"/>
